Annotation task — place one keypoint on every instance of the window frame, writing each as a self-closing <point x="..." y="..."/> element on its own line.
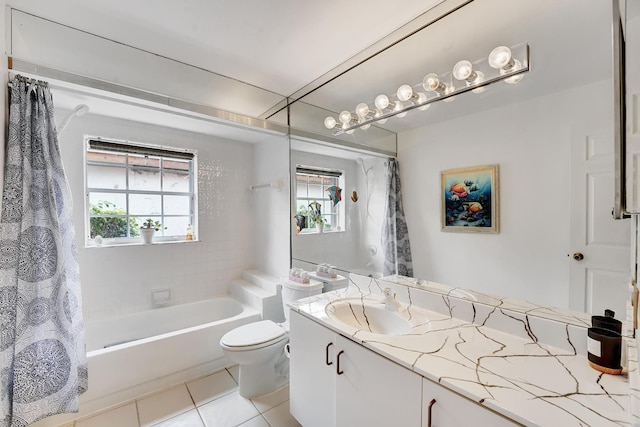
<point x="337" y="211"/>
<point x="127" y="148"/>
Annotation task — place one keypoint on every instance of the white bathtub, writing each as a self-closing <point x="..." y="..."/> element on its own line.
<point x="135" y="354"/>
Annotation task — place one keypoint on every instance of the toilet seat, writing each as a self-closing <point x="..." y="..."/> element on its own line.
<point x="253" y="336"/>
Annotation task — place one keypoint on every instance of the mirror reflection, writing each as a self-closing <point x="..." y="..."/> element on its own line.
<point x="551" y="135"/>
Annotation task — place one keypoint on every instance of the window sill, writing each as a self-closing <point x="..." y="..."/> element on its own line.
<point x="310" y="231"/>
<point x="119" y="244"/>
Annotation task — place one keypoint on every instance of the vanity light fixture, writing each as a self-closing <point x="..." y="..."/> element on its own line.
<point x="504" y="63"/>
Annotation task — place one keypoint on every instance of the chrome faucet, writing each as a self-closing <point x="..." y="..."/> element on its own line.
<point x="389" y="301"/>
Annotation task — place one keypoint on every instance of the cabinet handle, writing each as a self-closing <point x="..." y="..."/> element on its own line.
<point x="326" y="355"/>
<point x="338" y="371"/>
<point x="433" y="402"/>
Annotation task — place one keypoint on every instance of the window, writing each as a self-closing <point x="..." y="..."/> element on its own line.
<point x="313" y="185"/>
<point x="128" y="184"/>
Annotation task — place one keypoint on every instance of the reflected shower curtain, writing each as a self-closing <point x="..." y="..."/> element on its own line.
<point x="43" y="365"/>
<point x="395" y="234"/>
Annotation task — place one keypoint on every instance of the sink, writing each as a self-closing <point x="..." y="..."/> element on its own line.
<point x="370" y="316"/>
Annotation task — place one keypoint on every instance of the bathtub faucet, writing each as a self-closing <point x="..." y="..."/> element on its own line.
<point x="389" y="301"/>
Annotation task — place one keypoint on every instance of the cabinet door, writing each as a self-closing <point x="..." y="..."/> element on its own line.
<point x="312" y="382"/>
<point x="373" y="391"/>
<point x="451" y="409"/>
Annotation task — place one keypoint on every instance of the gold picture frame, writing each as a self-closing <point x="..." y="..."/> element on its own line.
<point x="469" y="200"/>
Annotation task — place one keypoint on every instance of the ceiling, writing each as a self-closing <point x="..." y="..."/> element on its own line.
<point x="263" y="43"/>
<point x="291" y="46"/>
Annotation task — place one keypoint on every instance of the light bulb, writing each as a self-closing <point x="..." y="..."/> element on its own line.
<point x="345" y="117"/>
<point x="362" y="109"/>
<point x="382" y="101"/>
<point x="515" y="79"/>
<point x="462" y="70"/>
<point x="365" y="127"/>
<point x="330" y="122"/>
<point x="422" y="98"/>
<point x="398" y="107"/>
<point x="404" y="93"/>
<point x="349" y="132"/>
<point x="377" y="116"/>
<point x="431" y="82"/>
<point x="500" y="57"/>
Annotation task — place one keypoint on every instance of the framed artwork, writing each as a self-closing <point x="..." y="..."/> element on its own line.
<point x="470" y="199"/>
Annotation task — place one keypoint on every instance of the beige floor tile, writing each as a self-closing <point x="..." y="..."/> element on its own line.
<point x="280" y="416"/>
<point x="258" y="421"/>
<point x="162" y="406"/>
<point x="188" y="419"/>
<point x="227" y="411"/>
<point x="123" y="416"/>
<point x="211" y="387"/>
<point x="271" y="400"/>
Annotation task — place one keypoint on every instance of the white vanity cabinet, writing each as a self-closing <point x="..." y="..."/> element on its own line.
<point x="336" y="382"/>
<point x="442" y="407"/>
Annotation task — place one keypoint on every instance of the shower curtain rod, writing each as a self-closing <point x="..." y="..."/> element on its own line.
<point x="214" y="114"/>
<point x="30" y="81"/>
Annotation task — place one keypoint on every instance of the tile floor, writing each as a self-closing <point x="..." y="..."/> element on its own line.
<point x="211" y="401"/>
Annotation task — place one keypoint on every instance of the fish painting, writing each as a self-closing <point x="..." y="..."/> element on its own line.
<point x="469" y="199"/>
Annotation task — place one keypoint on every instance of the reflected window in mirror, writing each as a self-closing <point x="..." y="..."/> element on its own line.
<point x="128" y="184"/>
<point x="319" y="200"/>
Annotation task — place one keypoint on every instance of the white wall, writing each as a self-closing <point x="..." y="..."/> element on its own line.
<point x="271" y="206"/>
<point x="530" y="141"/>
<point x="117" y="280"/>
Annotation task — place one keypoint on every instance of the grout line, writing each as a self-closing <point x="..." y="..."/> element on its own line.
<point x="135" y="402"/>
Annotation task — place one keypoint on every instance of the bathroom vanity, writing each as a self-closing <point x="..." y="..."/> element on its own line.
<point x="442" y="360"/>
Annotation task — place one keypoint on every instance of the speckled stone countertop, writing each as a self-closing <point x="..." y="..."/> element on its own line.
<point x="528" y="367"/>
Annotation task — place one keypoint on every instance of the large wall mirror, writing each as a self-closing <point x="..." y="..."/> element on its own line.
<point x="551" y="135"/>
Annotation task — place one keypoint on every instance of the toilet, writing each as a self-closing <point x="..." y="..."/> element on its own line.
<point x="259" y="347"/>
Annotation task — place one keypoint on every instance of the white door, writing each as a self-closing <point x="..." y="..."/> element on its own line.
<point x="600" y="257"/>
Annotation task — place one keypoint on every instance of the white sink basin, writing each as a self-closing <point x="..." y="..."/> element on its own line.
<point x="372" y="316"/>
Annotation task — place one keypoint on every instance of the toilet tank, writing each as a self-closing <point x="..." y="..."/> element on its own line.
<point x="292" y="291"/>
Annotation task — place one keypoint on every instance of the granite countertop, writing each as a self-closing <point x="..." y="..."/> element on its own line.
<point x="531" y="369"/>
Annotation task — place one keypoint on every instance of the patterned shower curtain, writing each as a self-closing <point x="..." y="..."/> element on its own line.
<point x="43" y="365"/>
<point x="395" y="234"/>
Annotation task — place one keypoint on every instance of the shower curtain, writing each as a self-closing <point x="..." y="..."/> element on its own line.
<point x="395" y="234"/>
<point x="43" y="365"/>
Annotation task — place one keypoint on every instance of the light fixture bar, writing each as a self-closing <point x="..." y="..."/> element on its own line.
<point x="502" y="64"/>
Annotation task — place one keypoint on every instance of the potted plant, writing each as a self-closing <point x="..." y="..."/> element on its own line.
<point x="315" y="216"/>
<point x="148" y="229"/>
<point x="319" y="220"/>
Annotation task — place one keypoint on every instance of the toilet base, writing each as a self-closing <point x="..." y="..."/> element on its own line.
<point x="258" y="380"/>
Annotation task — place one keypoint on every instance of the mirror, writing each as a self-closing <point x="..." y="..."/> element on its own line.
<point x="632" y="85"/>
<point x="551" y="135"/>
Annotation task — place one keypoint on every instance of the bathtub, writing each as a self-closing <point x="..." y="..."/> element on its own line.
<point x="132" y="355"/>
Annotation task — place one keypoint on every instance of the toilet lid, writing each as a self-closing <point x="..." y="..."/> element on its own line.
<point x="253" y="333"/>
